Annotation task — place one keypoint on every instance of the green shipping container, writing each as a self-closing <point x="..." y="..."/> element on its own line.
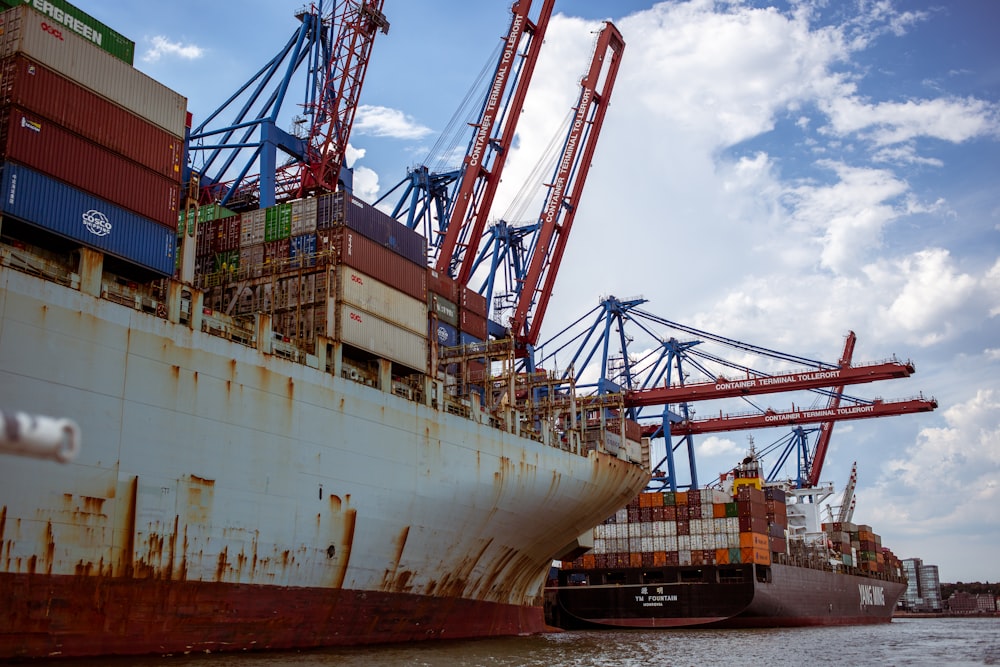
<point x="735" y="556"/>
<point x="278" y="222"/>
<point x="732" y="509"/>
<point x="65" y="16"/>
<point x="668" y="498"/>
<point x="226" y="261"/>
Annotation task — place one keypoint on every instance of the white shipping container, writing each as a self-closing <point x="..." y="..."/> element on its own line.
<point x="683" y="541"/>
<point x="696" y="542"/>
<point x="600" y="531"/>
<point x="364" y="292"/>
<point x="621" y="516"/>
<point x="645" y="544"/>
<point x="252" y="228"/>
<point x="28" y="31"/>
<point x="658" y="529"/>
<point x="370" y="332"/>
<point x="669" y="528"/>
<point x="304" y="216"/>
<point x="670" y="543"/>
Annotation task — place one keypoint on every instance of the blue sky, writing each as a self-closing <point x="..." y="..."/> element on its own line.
<point x="774" y="173"/>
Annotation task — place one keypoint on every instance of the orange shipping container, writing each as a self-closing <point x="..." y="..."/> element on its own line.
<point x="754" y="540"/>
<point x="659" y="558"/>
<point x="635" y="559"/>
<point x="721" y="556"/>
<point x="589" y="562"/>
<point x="718" y="510"/>
<point x="754" y="555"/>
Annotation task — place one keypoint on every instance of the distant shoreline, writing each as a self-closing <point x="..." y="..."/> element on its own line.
<point x="945" y="614"/>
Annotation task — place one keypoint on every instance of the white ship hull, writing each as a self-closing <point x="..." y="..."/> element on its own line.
<point x="226" y="498"/>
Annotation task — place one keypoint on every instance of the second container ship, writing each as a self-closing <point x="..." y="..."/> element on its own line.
<point x="746" y="555"/>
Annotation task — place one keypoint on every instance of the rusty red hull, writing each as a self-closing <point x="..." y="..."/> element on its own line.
<point x="91" y="616"/>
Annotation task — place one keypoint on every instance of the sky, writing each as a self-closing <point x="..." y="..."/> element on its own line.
<point x="779" y="173"/>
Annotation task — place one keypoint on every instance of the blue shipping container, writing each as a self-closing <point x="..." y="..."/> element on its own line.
<point x="468" y="339"/>
<point x="445" y="335"/>
<point x="302" y="250"/>
<point x="47" y="203"/>
<point x="385" y="230"/>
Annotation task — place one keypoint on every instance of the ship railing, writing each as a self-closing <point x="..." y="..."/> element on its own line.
<point x="32" y="264"/>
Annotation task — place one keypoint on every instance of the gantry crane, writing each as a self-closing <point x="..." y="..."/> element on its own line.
<point x="660" y="377"/>
<point x="452" y="206"/>
<point x="235" y="149"/>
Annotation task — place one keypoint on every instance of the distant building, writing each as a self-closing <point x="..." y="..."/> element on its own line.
<point x="967" y="603"/>
<point x="923" y="589"/>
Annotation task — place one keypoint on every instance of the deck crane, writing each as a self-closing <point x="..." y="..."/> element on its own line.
<point x="236" y="156"/>
<point x="459" y="201"/>
<point x="846" y="512"/>
<point x="563" y="197"/>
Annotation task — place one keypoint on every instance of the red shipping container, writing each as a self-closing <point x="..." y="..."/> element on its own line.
<point x="443" y="284"/>
<point x="472" y="324"/>
<point x="474" y="301"/>
<point x="40" y="90"/>
<point x="56" y="152"/>
<point x="382" y="264"/>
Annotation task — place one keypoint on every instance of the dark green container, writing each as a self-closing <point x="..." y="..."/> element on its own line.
<point x="69" y="18"/>
<point x="278" y="222"/>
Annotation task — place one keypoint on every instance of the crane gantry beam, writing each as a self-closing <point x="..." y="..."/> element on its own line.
<point x="769" y="384"/>
<point x="768" y="418"/>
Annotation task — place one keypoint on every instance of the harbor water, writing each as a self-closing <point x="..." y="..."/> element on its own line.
<point x="907" y="641"/>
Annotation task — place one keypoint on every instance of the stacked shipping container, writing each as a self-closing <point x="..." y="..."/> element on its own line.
<point x="698" y="527"/>
<point x="859" y="546"/>
<point x="92" y="148"/>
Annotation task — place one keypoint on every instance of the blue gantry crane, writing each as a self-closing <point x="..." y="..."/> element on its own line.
<point x="662" y="382"/>
<point x="236" y="151"/>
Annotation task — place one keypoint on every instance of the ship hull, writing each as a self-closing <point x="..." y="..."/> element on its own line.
<point x="225" y="498"/>
<point x="726" y="596"/>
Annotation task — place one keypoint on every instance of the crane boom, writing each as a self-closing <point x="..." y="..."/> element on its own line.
<point x="847" y="504"/>
<point x="725" y="388"/>
<point x="567" y="185"/>
<point x="826" y="428"/>
<point x="877" y="408"/>
<point x="337" y="97"/>
<point x="487" y="152"/>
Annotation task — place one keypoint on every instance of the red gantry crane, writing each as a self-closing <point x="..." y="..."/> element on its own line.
<point x="490" y="145"/>
<point x="563" y="198"/>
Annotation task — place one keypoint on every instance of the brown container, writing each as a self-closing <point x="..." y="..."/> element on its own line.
<point x="683" y="527"/>
<point x="24" y="30"/>
<point x="35" y="88"/>
<point x="756" y="524"/>
<point x="359" y="252"/>
<point x="474" y="302"/>
<point x="34" y="142"/>
<point x="472" y="324"/>
<point x="670" y="512"/>
<point x="443" y="284"/>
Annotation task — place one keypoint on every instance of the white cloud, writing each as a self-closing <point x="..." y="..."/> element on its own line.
<point x="385" y="122"/>
<point x="162" y="46"/>
<point x="886" y="123"/>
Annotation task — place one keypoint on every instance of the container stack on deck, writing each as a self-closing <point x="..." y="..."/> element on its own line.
<point x="698" y="527"/>
<point x="92" y="148"/>
<point x="859" y="546"/>
<point x="335" y="266"/>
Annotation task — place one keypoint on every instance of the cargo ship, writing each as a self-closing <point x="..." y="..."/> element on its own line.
<point x="311" y="443"/>
<point x="746" y="555"/>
